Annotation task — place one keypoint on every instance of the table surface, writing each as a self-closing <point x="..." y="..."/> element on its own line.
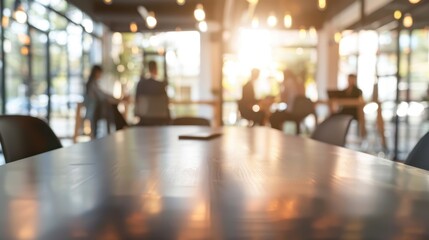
<point x="257" y="183"/>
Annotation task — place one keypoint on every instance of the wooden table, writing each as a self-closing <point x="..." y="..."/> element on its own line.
<point x="250" y="183"/>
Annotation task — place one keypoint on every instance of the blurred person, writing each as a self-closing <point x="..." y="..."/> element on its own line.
<point x="248" y="105"/>
<point x="426" y="96"/>
<point x="290" y="89"/>
<point x="352" y="91"/>
<point x="151" y="100"/>
<point x="99" y="104"/>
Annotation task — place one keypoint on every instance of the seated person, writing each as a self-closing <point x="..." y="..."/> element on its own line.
<point x="151" y="104"/>
<point x="291" y="89"/>
<point x="352" y="91"/>
<point x="248" y="105"/>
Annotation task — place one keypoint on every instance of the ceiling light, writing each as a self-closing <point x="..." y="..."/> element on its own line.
<point x="5" y="21"/>
<point x="151" y="20"/>
<point x="142" y="11"/>
<point x="253" y="1"/>
<point x="408" y="20"/>
<point x="322" y="4"/>
<point x="272" y="20"/>
<point x="19" y="15"/>
<point x="313" y="32"/>
<point x="181" y="2"/>
<point x="302" y="33"/>
<point x="337" y="37"/>
<point x="287" y="20"/>
<point x="414" y="1"/>
<point x="202" y="26"/>
<point x="108" y="2"/>
<point x="24" y="50"/>
<point x="397" y="14"/>
<point x="117" y="38"/>
<point x="133" y="27"/>
<point x="199" y="13"/>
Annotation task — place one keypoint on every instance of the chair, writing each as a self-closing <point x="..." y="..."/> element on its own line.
<point x="196" y="121"/>
<point x="152" y="110"/>
<point x="301" y="108"/>
<point x="119" y="119"/>
<point x="333" y="130"/>
<point x="419" y="156"/>
<point x="25" y="136"/>
<point x="254" y="117"/>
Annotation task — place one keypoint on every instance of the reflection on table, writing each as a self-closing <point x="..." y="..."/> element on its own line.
<point x="145" y="183"/>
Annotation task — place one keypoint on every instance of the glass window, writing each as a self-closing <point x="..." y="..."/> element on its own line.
<point x="38" y="82"/>
<point x="2" y="110"/>
<point x="59" y="5"/>
<point x="18" y="85"/>
<point x="74" y="14"/>
<point x="38" y="16"/>
<point x="57" y="21"/>
<point x="88" y="24"/>
<point x="419" y="65"/>
<point x="366" y="72"/>
<point x="271" y="51"/>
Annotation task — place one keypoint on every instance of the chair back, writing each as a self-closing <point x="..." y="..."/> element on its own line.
<point x="196" y="121"/>
<point x="302" y="107"/>
<point x="419" y="156"/>
<point x="333" y="130"/>
<point x="25" y="136"/>
<point x="120" y="122"/>
<point x="152" y="106"/>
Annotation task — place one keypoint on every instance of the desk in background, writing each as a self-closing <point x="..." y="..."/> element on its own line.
<point x="250" y="183"/>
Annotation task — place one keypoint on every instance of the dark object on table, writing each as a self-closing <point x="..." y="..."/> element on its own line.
<point x="201" y="135"/>
<point x="25" y="136"/>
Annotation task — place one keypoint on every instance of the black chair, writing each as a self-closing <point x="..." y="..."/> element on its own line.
<point x="419" y="156"/>
<point x="333" y="130"/>
<point x="301" y="108"/>
<point x="196" y="121"/>
<point x="152" y="110"/>
<point x="120" y="122"/>
<point x="25" y="136"/>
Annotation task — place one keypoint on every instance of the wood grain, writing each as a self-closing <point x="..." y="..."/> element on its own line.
<point x="145" y="183"/>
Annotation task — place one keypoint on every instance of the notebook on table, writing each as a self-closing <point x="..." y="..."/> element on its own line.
<point x="201" y="135"/>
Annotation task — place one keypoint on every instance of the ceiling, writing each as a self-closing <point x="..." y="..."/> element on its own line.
<point x="383" y="18"/>
<point x="170" y="16"/>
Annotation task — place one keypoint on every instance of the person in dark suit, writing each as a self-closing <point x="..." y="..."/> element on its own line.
<point x="248" y="105"/>
<point x="352" y="91"/>
<point x="152" y="100"/>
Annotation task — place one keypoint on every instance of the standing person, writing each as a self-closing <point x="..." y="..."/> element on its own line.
<point x="152" y="100"/>
<point x="99" y="105"/>
<point x="352" y="91"/>
<point x="248" y="101"/>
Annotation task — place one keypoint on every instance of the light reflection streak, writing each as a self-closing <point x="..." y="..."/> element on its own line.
<point x="24" y="218"/>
